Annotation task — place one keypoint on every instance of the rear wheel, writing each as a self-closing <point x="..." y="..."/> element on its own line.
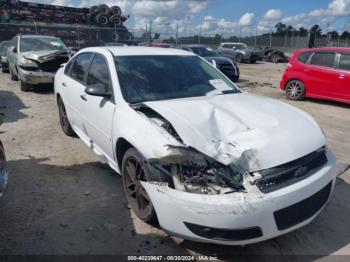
<point x="66" y="127"/>
<point x="295" y="90"/>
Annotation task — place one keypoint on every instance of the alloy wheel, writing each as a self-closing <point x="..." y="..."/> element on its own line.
<point x="295" y="90"/>
<point x="136" y="194"/>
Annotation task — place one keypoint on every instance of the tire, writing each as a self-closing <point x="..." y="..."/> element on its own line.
<point x="3" y="172"/>
<point x="103" y="9"/>
<point x="239" y="58"/>
<point x="64" y="121"/>
<point x="275" y="59"/>
<point x="295" y="90"/>
<point x="134" y="170"/>
<point x="24" y="87"/>
<point x="4" y="70"/>
<point x="115" y="10"/>
<point x="253" y="61"/>
<point x="13" y="77"/>
<point x="101" y="20"/>
<point x="115" y="20"/>
<point x="93" y="9"/>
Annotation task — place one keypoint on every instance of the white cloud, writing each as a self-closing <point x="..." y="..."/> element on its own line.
<point x="246" y="19"/>
<point x="273" y="14"/>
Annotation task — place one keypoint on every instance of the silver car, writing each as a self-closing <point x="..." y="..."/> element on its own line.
<point x="34" y="59"/>
<point x="238" y="52"/>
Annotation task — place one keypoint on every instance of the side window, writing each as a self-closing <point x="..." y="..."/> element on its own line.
<point x="99" y="74"/>
<point x="323" y="59"/>
<point x="227" y="46"/>
<point x="68" y="66"/>
<point x="80" y="66"/>
<point x="303" y="57"/>
<point x="344" y="62"/>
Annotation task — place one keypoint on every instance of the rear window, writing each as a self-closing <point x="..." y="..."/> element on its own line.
<point x="303" y="57"/>
<point x="323" y="59"/>
<point x="344" y="62"/>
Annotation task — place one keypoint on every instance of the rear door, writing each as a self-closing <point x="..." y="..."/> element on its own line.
<point x="342" y="90"/>
<point x="321" y="74"/>
<point x="98" y="112"/>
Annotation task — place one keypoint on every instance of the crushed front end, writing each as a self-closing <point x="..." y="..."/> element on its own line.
<point x="210" y="202"/>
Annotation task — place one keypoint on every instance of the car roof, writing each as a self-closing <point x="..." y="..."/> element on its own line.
<point x="232" y="43"/>
<point x="38" y="36"/>
<point x="332" y="49"/>
<point x="138" y="50"/>
<point x="194" y="45"/>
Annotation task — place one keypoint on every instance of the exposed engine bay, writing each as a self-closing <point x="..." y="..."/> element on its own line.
<point x="190" y="170"/>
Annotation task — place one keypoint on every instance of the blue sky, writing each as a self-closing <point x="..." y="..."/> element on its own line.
<point x="229" y="16"/>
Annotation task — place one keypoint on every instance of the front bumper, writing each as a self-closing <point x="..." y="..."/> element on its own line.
<point x="237" y="218"/>
<point x="35" y="77"/>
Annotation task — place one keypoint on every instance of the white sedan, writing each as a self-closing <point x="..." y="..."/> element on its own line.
<point x="209" y="162"/>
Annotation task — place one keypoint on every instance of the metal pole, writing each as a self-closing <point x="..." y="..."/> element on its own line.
<point x="256" y="35"/>
<point x="36" y="29"/>
<point x="270" y="39"/>
<point x="200" y="34"/>
<point x="177" y="34"/>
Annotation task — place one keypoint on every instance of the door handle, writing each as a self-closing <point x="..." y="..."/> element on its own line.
<point x="64" y="84"/>
<point x="83" y="97"/>
<point x="306" y="70"/>
<point x="341" y="76"/>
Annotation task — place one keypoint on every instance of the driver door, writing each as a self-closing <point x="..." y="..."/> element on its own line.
<point x="98" y="111"/>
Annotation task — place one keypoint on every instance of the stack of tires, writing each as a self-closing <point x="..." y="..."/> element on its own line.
<point x="102" y="15"/>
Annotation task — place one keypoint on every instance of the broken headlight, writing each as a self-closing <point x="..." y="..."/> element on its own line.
<point x="27" y="64"/>
<point x="194" y="172"/>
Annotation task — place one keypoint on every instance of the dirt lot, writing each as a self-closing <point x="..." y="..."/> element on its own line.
<point x="62" y="200"/>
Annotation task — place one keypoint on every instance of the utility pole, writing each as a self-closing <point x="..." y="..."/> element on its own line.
<point x="200" y="34"/>
<point x="270" y="38"/>
<point x="240" y="33"/>
<point x="222" y="34"/>
<point x="177" y="34"/>
<point x="150" y="31"/>
<point x="256" y="36"/>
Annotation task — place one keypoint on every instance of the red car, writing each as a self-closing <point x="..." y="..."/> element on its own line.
<point x="322" y="73"/>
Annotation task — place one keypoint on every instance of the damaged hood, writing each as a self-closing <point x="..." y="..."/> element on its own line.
<point x="251" y="132"/>
<point x="44" y="55"/>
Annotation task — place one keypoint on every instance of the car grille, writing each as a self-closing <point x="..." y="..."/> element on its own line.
<point x="292" y="172"/>
<point x="53" y="65"/>
<point x="303" y="210"/>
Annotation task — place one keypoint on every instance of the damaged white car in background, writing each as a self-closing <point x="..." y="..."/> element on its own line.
<point x="209" y="162"/>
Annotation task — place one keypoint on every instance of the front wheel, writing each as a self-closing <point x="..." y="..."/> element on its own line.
<point x="13" y="76"/>
<point x="65" y="125"/>
<point x="135" y="170"/>
<point x="24" y="87"/>
<point x="295" y="90"/>
<point x="239" y="58"/>
<point x="3" y="173"/>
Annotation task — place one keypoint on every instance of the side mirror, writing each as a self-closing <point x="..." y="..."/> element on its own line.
<point x="98" y="90"/>
<point x="14" y="49"/>
<point x="234" y="48"/>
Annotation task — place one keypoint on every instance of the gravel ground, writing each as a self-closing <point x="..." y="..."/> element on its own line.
<point x="61" y="200"/>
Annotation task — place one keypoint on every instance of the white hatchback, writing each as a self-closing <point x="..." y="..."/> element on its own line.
<point x="209" y="162"/>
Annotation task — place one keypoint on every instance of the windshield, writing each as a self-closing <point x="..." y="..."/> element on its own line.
<point x="3" y="47"/>
<point x="41" y="44"/>
<point x="240" y="46"/>
<point x="151" y="78"/>
<point x="203" y="51"/>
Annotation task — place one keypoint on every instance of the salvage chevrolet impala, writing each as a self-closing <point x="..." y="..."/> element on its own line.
<point x="209" y="162"/>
